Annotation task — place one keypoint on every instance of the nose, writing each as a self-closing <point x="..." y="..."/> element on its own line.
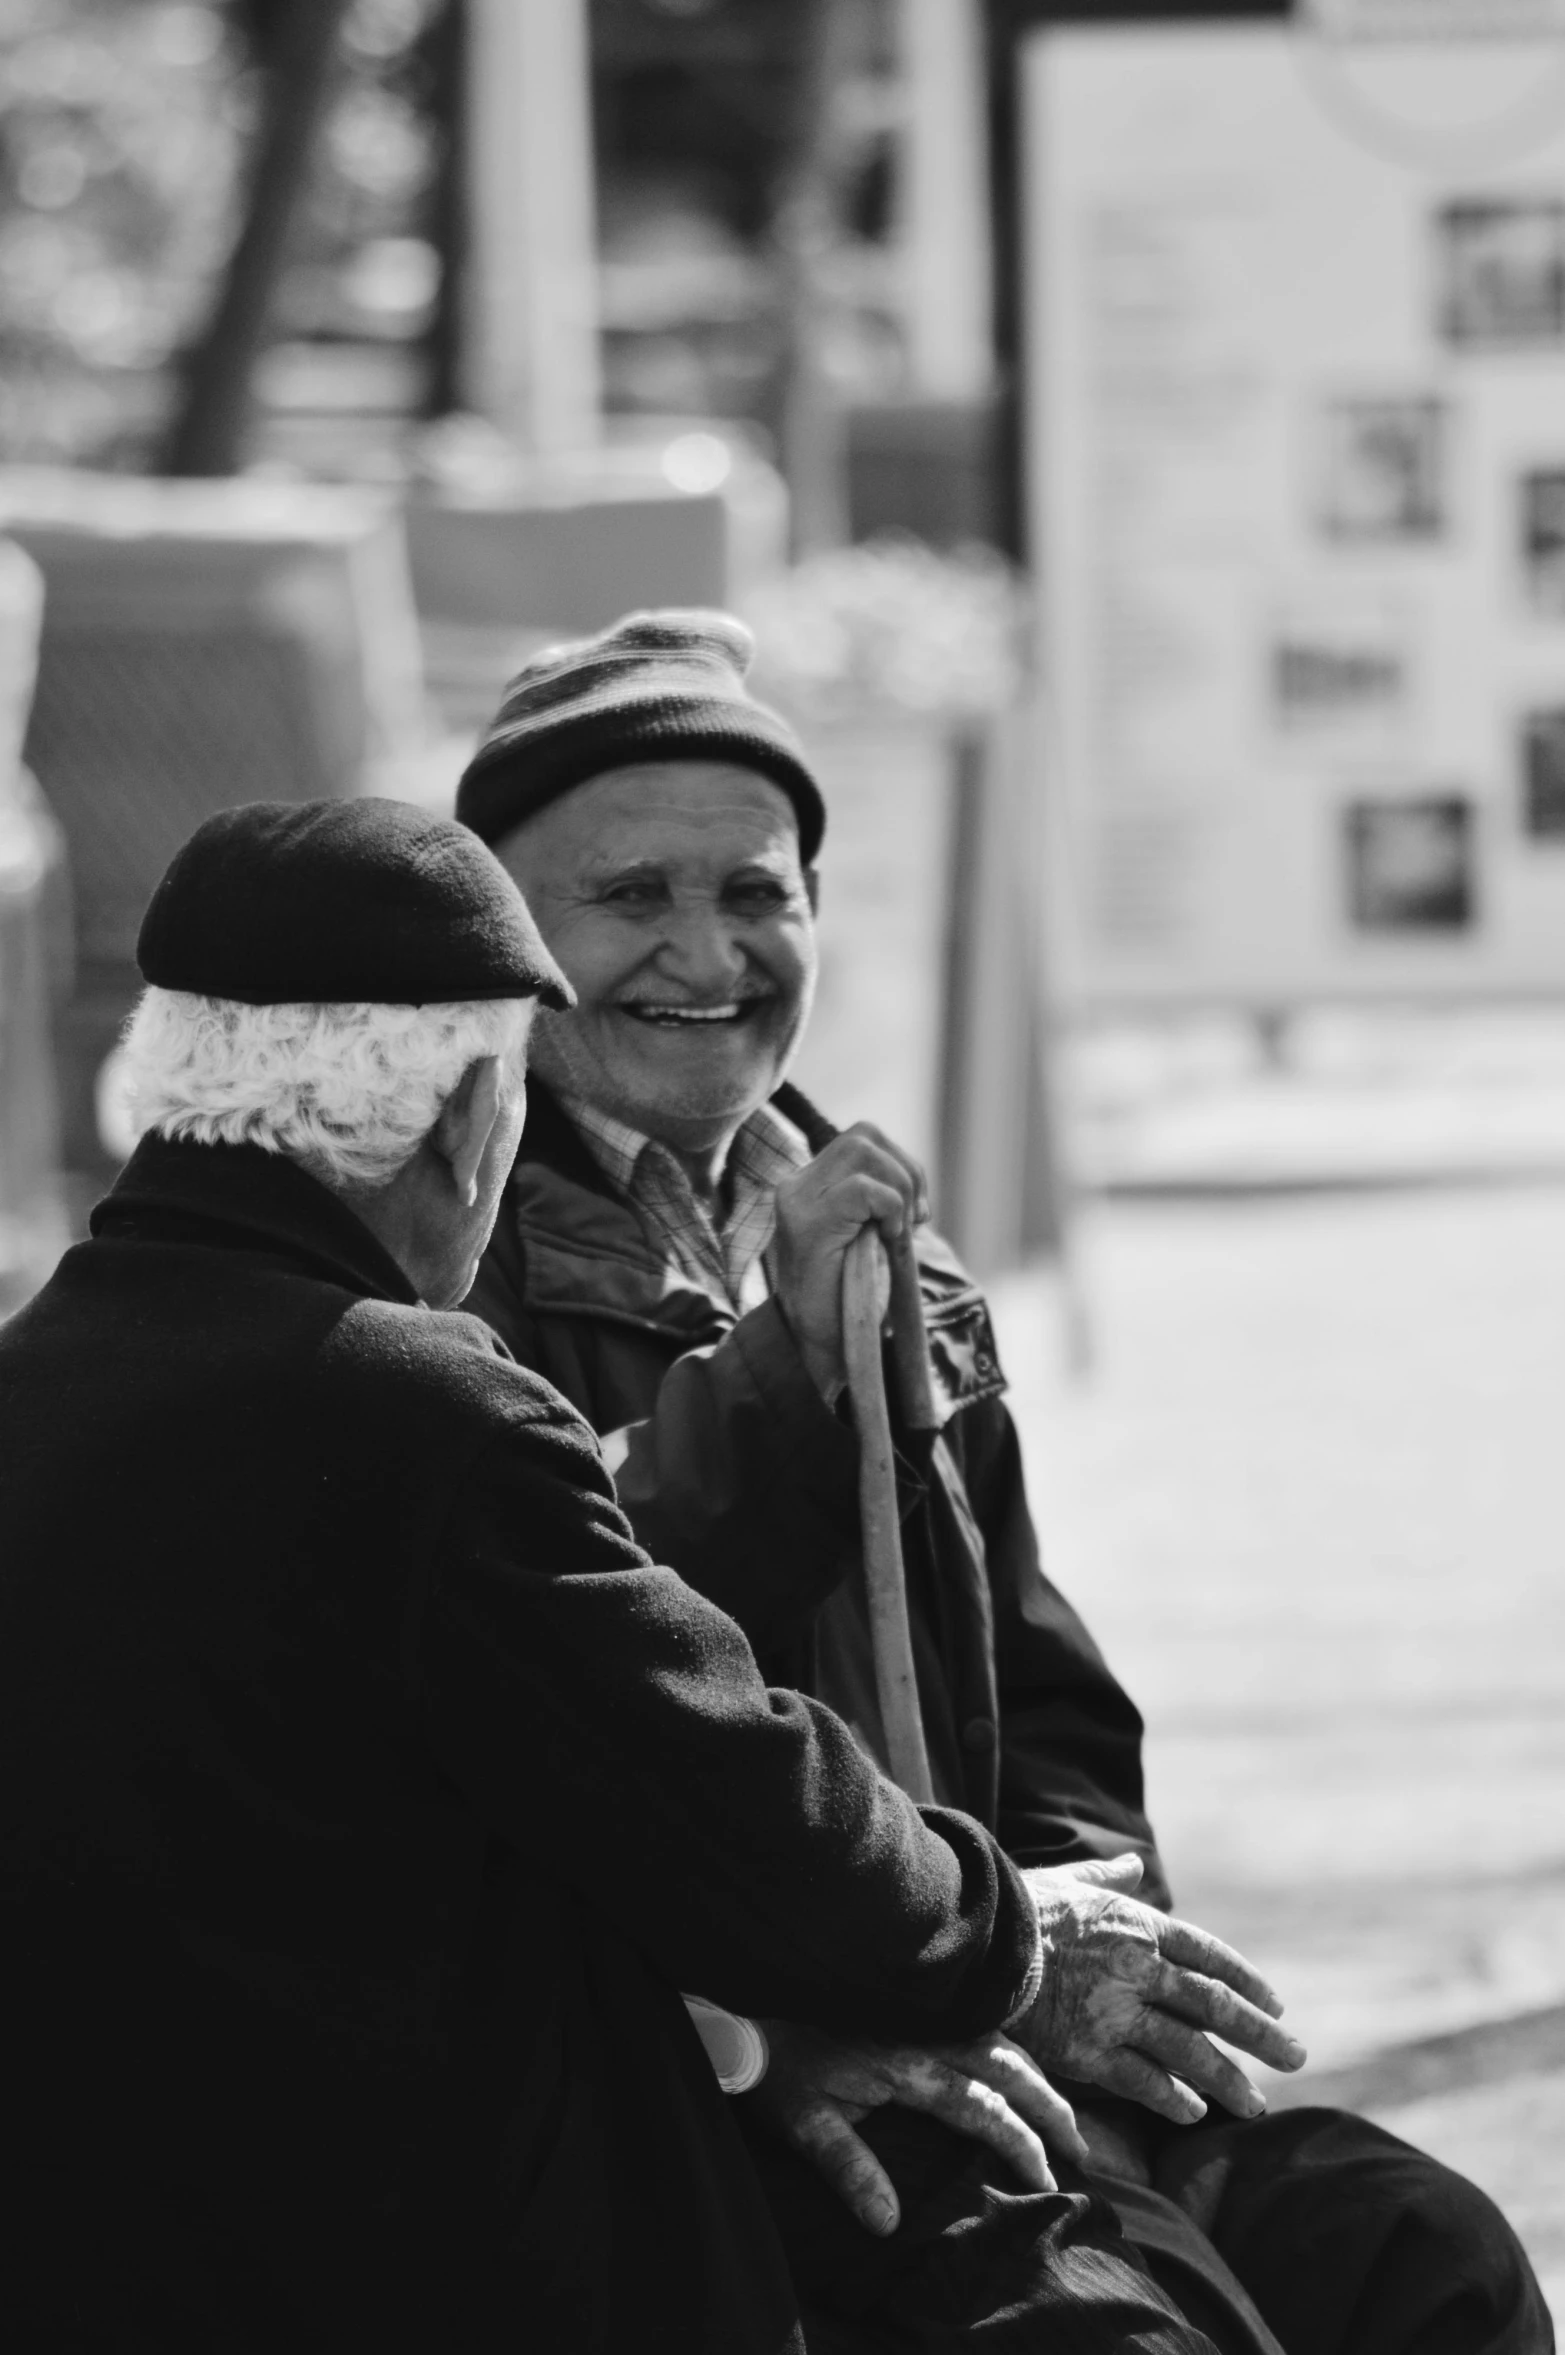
<point x="700" y="949"/>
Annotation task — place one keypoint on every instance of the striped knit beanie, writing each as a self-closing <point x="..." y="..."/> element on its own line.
<point x="657" y="686"/>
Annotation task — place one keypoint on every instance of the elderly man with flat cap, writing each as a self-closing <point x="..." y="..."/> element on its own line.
<point x="669" y="1255"/>
<point x="367" y="1794"/>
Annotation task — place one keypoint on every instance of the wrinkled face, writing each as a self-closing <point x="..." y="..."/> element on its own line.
<point x="672" y="896"/>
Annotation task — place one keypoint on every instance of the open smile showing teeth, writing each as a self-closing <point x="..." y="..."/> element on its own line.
<point x="734" y="1011"/>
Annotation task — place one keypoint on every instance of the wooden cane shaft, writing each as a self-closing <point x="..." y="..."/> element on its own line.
<point x="909" y="1341"/>
<point x="890" y="1636"/>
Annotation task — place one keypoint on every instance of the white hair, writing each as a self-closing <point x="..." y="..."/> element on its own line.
<point x="348" y="1091"/>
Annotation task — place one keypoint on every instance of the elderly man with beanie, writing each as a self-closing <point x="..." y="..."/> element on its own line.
<point x="367" y="1794"/>
<point x="669" y="1255"/>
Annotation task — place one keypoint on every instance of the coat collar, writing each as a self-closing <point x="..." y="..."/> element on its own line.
<point x="568" y="1245"/>
<point x="241" y="1198"/>
<point x="587" y="1252"/>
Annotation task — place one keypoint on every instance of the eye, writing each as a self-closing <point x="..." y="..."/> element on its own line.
<point x="758" y="895"/>
<point x="633" y="893"/>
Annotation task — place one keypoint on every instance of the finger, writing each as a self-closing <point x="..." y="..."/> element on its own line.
<point x="1182" y="1942"/>
<point x="1190" y="1996"/>
<point x="876" y="1153"/>
<point x="908" y="1162"/>
<point x="848" y="2164"/>
<point x="863" y="1198"/>
<point x="964" y="2103"/>
<point x="1141" y="2080"/>
<point x="1111" y="1872"/>
<point x="1015" y="2074"/>
<point x="1188" y="2054"/>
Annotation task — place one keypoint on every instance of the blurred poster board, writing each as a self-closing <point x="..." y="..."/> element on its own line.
<point x="1297" y="431"/>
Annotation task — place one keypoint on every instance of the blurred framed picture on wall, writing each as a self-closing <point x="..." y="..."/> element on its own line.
<point x="1383" y="467"/>
<point x="1541" y="525"/>
<point x="1339" y="669"/>
<point x="1543" y="774"/>
<point x="1501" y="271"/>
<point x="1410" y="863"/>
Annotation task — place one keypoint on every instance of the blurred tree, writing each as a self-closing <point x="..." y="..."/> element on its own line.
<point x="294" y="44"/>
<point x="134" y="167"/>
<point x="121" y="130"/>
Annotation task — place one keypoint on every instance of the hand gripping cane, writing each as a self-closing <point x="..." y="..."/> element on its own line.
<point x="863" y="1290"/>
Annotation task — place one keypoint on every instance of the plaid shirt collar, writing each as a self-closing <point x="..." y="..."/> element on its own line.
<point x="724" y="1255"/>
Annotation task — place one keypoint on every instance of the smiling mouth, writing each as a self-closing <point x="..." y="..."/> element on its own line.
<point x="689" y="1017"/>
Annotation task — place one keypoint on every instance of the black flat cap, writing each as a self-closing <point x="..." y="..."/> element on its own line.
<point x="342" y="902"/>
<point x="667" y="685"/>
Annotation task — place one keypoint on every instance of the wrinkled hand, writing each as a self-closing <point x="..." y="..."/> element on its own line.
<point x="1127" y="1993"/>
<point x="816" y="2090"/>
<point x="861" y="1176"/>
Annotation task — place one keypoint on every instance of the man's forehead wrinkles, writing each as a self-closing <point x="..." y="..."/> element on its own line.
<point x="625" y="859"/>
<point x="699" y="817"/>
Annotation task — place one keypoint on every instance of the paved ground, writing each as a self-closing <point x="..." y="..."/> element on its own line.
<point x="1312" y="1499"/>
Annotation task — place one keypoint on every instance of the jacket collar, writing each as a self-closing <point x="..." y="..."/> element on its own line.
<point x="568" y="1245"/>
<point x="587" y="1253"/>
<point x="241" y="1198"/>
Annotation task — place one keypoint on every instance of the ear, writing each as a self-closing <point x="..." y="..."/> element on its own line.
<point x="466" y="1123"/>
<point x="812" y="889"/>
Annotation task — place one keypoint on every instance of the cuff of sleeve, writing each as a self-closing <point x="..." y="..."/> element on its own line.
<point x="1032" y="1986"/>
<point x="735" y="2046"/>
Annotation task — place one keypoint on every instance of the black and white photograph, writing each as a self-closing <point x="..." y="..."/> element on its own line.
<point x="1410" y="863"/>
<point x="1540" y="517"/>
<point x="1542" y="744"/>
<point x="1383" y="468"/>
<point x="1500" y="270"/>
<point x="782" y="1180"/>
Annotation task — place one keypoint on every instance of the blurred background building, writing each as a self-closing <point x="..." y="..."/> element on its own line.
<point x="1137" y="434"/>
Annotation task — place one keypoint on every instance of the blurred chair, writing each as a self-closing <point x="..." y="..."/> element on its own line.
<point x="34" y="959"/>
<point x="502" y="568"/>
<point x="203" y="644"/>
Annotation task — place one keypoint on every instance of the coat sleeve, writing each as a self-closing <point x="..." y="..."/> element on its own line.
<point x="745" y="1481"/>
<point x="611" y="1725"/>
<point x="1070" y="1737"/>
<point x="739" y="1476"/>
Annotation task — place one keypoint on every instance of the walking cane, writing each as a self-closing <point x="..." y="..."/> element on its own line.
<point x="730" y="2042"/>
<point x="864" y="1279"/>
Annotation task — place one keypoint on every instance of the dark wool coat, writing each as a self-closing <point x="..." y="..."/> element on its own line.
<point x="365" y="1796"/>
<point x="737" y="1474"/>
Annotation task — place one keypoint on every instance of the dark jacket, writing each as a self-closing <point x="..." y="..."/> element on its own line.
<point x="365" y="1796"/>
<point x="738" y="1475"/>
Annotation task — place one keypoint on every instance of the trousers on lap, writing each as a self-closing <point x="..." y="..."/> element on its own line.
<point x="1309" y="2233"/>
<point x="977" y="2262"/>
<point x="1349" y="2240"/>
